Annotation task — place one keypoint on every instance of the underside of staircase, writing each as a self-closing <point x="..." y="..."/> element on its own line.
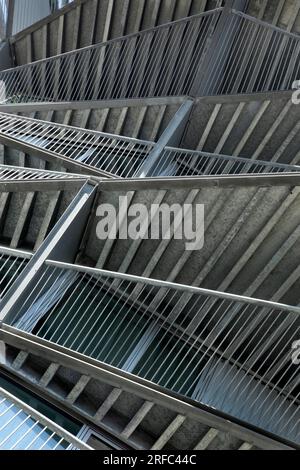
<point x="142" y="343"/>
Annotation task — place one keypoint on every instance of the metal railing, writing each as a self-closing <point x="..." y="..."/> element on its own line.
<point x="162" y="61"/>
<point x="120" y="156"/>
<point x="12" y="263"/>
<point x="182" y="162"/>
<point x="227" y="351"/>
<point x="250" y="56"/>
<point x="24" y="428"/>
<point x="16" y="173"/>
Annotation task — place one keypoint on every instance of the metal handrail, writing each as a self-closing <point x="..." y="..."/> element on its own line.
<point x="162" y="61"/>
<point x="175" y="59"/>
<point x="254" y="56"/>
<point x="12" y="263"/>
<point x="23" y="427"/>
<point x="116" y="155"/>
<point x="183" y="162"/>
<point x="192" y="341"/>
<point x="17" y="173"/>
<point x="124" y="156"/>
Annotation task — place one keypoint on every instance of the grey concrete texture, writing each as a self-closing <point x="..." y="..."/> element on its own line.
<point x="251" y="244"/>
<point x="101" y="21"/>
<point x="266" y="129"/>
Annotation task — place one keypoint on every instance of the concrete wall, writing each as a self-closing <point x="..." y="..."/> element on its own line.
<point x="5" y="56"/>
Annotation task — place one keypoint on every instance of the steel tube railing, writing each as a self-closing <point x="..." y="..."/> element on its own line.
<point x="9" y="172"/>
<point x="182" y="162"/>
<point x="121" y="156"/>
<point x="117" y="155"/>
<point x="251" y="56"/>
<point x="187" y="339"/>
<point x="24" y="428"/>
<point x="140" y="65"/>
<point x="260" y="57"/>
<point x="12" y="263"/>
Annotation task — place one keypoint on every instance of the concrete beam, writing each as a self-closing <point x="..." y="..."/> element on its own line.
<point x="170" y="137"/>
<point x="261" y="180"/>
<point x="99" y="104"/>
<point x="20" y="186"/>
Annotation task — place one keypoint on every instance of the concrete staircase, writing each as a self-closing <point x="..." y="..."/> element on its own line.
<point x="135" y="413"/>
<point x="196" y="111"/>
<point x="31" y="202"/>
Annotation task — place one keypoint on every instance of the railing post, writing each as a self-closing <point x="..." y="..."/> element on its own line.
<point x="215" y="44"/>
<point x="171" y="136"/>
